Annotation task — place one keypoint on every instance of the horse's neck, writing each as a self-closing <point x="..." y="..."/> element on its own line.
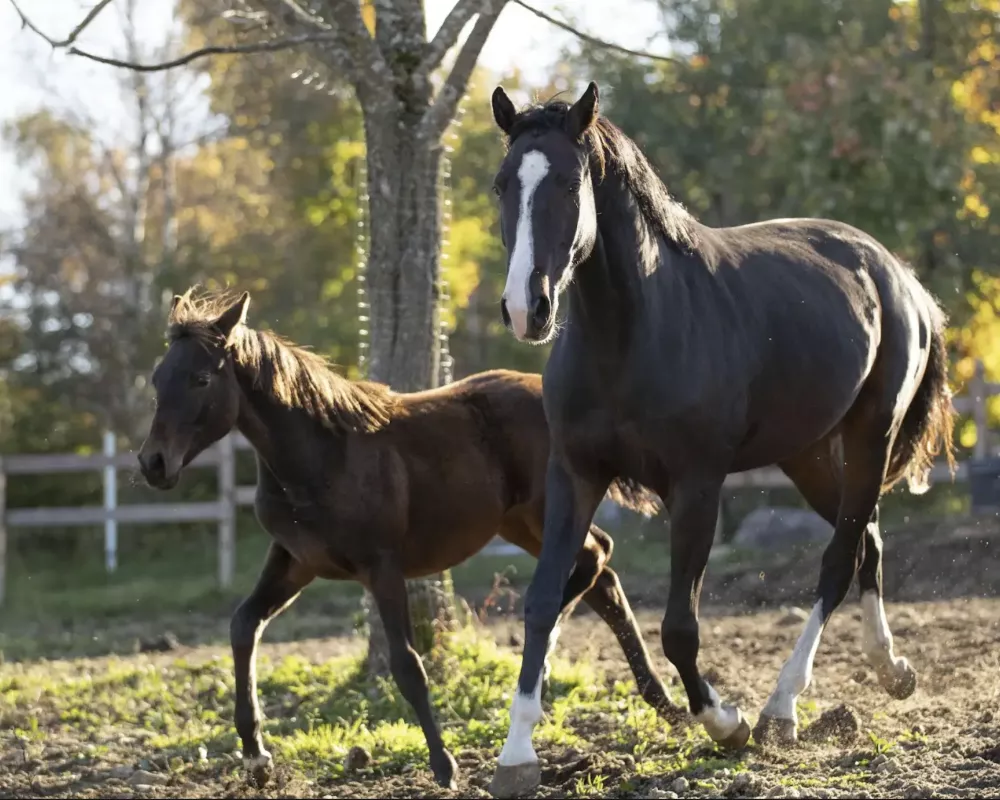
<point x="278" y="434"/>
<point x="610" y="289"/>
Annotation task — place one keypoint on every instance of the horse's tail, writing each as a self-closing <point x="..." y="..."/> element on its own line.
<point x="634" y="496"/>
<point x="929" y="421"/>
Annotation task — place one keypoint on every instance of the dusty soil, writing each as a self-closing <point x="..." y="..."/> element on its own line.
<point x="946" y="738"/>
<point x="944" y="741"/>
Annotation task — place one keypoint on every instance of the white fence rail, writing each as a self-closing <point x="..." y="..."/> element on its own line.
<point x="222" y="456"/>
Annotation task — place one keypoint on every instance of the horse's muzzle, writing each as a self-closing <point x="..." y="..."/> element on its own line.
<point x="154" y="469"/>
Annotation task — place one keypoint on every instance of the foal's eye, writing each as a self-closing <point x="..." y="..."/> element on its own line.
<point x="496" y="190"/>
<point x="574" y="187"/>
<point x="202" y="379"/>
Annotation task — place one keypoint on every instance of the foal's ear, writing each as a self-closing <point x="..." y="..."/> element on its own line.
<point x="583" y="113"/>
<point x="503" y="110"/>
<point x="233" y="316"/>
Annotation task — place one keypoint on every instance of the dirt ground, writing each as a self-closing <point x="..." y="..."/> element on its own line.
<point x="944" y="741"/>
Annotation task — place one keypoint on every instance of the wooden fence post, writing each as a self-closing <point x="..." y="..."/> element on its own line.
<point x="977" y="391"/>
<point x="3" y="532"/>
<point x="227" y="520"/>
<point x="110" y="504"/>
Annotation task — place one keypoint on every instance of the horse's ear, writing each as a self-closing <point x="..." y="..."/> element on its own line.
<point x="583" y="113"/>
<point x="503" y="110"/>
<point x="233" y="316"/>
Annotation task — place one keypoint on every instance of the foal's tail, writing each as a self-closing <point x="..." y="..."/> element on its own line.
<point x="634" y="496"/>
<point x="927" y="426"/>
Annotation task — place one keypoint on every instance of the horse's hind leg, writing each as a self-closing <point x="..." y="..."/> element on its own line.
<point x="388" y="587"/>
<point x="895" y="674"/>
<point x="280" y="582"/>
<point x="866" y="438"/>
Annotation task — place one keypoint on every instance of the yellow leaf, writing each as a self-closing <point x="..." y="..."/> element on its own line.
<point x="368" y="15"/>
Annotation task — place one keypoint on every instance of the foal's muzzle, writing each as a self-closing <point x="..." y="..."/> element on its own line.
<point x="156" y="471"/>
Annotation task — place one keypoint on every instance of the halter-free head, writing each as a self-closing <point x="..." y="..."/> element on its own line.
<point x="547" y="217"/>
<point x="197" y="393"/>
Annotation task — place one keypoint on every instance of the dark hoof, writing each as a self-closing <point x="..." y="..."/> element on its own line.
<point x="516" y="781"/>
<point x="260" y="770"/>
<point x="774" y="731"/>
<point x="738" y="739"/>
<point x="902" y="683"/>
<point x="445" y="771"/>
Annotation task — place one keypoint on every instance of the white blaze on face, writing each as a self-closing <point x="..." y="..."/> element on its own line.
<point x="534" y="167"/>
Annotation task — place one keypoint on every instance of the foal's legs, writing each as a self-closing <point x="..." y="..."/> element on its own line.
<point x="569" y="508"/>
<point x="280" y="582"/>
<point x="865" y="457"/>
<point x="602" y="591"/>
<point x="693" y="511"/>
<point x="388" y="587"/>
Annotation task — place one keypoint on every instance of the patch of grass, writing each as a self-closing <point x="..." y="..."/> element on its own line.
<point x="181" y="713"/>
<point x="880" y="744"/>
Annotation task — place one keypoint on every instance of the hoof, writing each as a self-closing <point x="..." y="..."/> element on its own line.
<point x="775" y="731"/>
<point x="259" y="769"/>
<point x="516" y="781"/>
<point x="901" y="682"/>
<point x="738" y="739"/>
<point x="445" y="771"/>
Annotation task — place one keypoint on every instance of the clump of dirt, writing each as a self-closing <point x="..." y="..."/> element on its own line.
<point x="840" y="723"/>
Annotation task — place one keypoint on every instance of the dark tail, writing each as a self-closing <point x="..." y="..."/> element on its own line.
<point x="929" y="421"/>
<point x="634" y="496"/>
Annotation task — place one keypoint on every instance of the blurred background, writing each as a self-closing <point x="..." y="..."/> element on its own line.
<point x="121" y="188"/>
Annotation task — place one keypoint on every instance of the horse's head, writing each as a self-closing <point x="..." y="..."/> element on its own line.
<point x="197" y="393"/>
<point x="547" y="217"/>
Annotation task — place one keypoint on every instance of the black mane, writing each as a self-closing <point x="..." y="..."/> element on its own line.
<point x="610" y="148"/>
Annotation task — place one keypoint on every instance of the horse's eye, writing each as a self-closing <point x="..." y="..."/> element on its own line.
<point x="574" y="187"/>
<point x="496" y="190"/>
<point x="202" y="379"/>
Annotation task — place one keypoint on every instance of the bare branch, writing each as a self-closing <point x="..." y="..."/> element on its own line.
<point x="74" y="34"/>
<point x="447" y="35"/>
<point x="442" y="111"/>
<point x="251" y="47"/>
<point x="593" y="39"/>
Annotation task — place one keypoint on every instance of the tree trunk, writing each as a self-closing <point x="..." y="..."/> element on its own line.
<point x="403" y="275"/>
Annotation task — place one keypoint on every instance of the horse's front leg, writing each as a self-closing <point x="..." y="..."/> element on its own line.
<point x="280" y="582"/>
<point x="570" y="503"/>
<point x="693" y="512"/>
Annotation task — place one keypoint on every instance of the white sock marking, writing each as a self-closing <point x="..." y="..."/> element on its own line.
<point x="553" y="638"/>
<point x="797" y="671"/>
<point x="525" y="714"/>
<point x="719" y="722"/>
<point x="533" y="168"/>
<point x="876" y="639"/>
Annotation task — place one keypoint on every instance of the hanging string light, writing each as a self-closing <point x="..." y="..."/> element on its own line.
<point x="447" y="363"/>
<point x="361" y="241"/>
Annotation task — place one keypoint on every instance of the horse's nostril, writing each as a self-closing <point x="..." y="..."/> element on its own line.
<point x="155" y="466"/>
<point x="540" y="310"/>
<point x="504" y="315"/>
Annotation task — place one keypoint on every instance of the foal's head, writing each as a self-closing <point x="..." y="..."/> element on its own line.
<point x="547" y="217"/>
<point x="197" y="393"/>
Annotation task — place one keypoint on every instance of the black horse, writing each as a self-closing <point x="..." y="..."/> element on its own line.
<point x="688" y="353"/>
